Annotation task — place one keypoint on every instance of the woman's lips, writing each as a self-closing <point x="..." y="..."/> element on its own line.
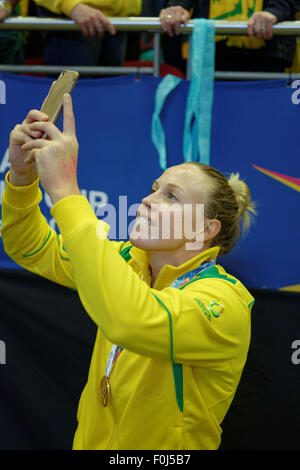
<point x="144" y="220"/>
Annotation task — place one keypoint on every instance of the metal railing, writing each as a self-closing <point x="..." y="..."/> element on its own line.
<point x="150" y="25"/>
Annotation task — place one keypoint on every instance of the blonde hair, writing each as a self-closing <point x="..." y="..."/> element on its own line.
<point x="229" y="201"/>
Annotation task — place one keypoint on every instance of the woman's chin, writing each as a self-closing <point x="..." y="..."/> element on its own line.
<point x="154" y="244"/>
<point x="144" y="243"/>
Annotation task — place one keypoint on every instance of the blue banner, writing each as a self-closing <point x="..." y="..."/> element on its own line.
<point x="254" y="131"/>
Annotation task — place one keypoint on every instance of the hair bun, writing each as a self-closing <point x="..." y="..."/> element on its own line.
<point x="242" y="193"/>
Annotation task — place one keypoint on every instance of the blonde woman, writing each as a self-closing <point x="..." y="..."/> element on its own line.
<point x="173" y="326"/>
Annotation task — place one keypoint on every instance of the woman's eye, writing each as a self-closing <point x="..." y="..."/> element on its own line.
<point x="169" y="195"/>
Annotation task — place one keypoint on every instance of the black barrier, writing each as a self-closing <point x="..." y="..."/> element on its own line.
<point x="46" y="341"/>
<point x="48" y="344"/>
<point x="265" y="412"/>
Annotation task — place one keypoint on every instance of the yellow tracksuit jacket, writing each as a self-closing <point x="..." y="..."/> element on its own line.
<point x="108" y="7"/>
<point x="182" y="359"/>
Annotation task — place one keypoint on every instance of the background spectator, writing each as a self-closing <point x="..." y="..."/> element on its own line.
<point x="97" y="43"/>
<point x="260" y="52"/>
<point x="12" y="43"/>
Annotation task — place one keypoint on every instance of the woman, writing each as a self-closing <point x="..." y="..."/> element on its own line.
<point x="173" y="326"/>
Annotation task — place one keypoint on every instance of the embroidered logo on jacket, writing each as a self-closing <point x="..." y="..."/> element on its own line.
<point x="215" y="309"/>
<point x="203" y="308"/>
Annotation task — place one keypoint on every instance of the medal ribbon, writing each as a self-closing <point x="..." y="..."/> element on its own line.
<point x="191" y="274"/>
<point x="113" y="356"/>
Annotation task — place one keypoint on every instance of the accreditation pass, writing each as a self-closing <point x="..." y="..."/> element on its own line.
<point x="150" y="459"/>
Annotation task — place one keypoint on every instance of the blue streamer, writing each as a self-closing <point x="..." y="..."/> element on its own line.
<point x="197" y="128"/>
<point x="165" y="87"/>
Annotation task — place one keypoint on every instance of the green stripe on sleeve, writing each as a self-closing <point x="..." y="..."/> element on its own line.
<point x="35" y="252"/>
<point x="58" y="242"/>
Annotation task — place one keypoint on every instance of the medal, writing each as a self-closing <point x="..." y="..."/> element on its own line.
<point x="105" y="390"/>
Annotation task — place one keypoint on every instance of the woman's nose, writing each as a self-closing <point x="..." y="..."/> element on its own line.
<point x="148" y="200"/>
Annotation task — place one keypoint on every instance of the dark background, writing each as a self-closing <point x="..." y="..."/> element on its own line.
<point x="49" y="340"/>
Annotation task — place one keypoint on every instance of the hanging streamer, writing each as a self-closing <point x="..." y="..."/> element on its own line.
<point x="165" y="87"/>
<point x="197" y="127"/>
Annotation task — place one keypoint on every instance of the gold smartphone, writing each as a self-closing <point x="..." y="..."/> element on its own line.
<point x="65" y="83"/>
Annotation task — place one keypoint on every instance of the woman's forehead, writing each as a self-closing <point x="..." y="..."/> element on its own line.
<point x="192" y="181"/>
<point x="183" y="175"/>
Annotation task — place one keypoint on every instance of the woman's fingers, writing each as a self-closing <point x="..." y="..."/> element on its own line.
<point x="35" y="115"/>
<point x="35" y="134"/>
<point x="45" y="128"/>
<point x="19" y="137"/>
<point x="69" y="127"/>
<point x="34" y="144"/>
<point x="31" y="149"/>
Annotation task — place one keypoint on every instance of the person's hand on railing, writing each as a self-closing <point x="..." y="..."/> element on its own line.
<point x="91" y="21"/>
<point x="171" y="18"/>
<point x="3" y="14"/>
<point x="261" y="25"/>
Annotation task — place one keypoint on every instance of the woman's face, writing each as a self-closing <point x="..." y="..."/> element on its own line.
<point x="172" y="215"/>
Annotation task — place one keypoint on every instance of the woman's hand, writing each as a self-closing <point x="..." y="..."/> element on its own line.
<point x="171" y="18"/>
<point x="91" y="21"/>
<point x="23" y="170"/>
<point x="55" y="158"/>
<point x="261" y="25"/>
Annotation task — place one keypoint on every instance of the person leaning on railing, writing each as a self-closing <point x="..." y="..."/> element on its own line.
<point x="12" y="43"/>
<point x="260" y="52"/>
<point x="97" y="42"/>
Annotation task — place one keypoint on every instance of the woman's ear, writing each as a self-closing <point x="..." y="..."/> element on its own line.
<point x="212" y="229"/>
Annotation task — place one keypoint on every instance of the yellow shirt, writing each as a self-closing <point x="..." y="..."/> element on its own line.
<point x="199" y="332"/>
<point x="108" y="7"/>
